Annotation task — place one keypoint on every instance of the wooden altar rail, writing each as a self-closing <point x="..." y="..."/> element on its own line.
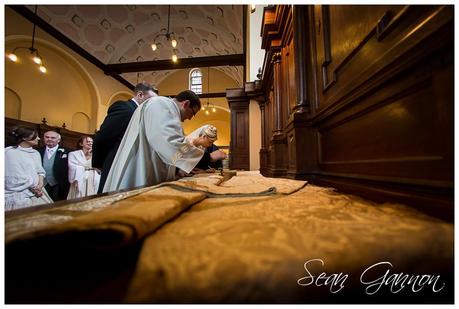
<point x="69" y="138"/>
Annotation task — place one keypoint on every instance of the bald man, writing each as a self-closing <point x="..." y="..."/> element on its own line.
<point x="55" y="162"/>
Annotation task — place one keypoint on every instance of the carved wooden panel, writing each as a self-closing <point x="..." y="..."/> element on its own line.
<point x="355" y="42"/>
<point x="68" y="138"/>
<point x="271" y="115"/>
<point x="288" y="81"/>
<point x="380" y="85"/>
<point x="401" y="131"/>
<point x="397" y="129"/>
<point x="239" y="145"/>
<point x="240" y="131"/>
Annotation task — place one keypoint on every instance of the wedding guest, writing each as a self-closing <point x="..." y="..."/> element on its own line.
<point x="54" y="160"/>
<point x="24" y="174"/>
<point x="83" y="178"/>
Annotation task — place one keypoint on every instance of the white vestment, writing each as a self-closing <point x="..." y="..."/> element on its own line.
<point x="22" y="170"/>
<point x="83" y="180"/>
<point x="152" y="147"/>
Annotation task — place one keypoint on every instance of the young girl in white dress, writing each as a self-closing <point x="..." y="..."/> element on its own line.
<point x="24" y="173"/>
<point x="83" y="178"/>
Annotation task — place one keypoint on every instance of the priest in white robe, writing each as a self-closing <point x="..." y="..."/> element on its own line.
<point x="154" y="145"/>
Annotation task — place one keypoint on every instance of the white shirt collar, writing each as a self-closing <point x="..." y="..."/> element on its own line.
<point x="135" y="102"/>
<point x="53" y="149"/>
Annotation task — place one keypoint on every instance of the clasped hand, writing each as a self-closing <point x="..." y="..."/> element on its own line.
<point x="37" y="191"/>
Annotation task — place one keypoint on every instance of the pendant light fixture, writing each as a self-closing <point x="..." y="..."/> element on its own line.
<point x="207" y="107"/>
<point x="170" y="36"/>
<point x="33" y="51"/>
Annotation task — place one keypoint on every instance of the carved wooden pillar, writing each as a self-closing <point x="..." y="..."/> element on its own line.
<point x="278" y="142"/>
<point x="277" y="93"/>
<point x="263" y="149"/>
<point x="301" y="134"/>
<point x="302" y="53"/>
<point x="239" y="145"/>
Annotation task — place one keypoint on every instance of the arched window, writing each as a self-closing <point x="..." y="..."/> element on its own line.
<point x="196" y="81"/>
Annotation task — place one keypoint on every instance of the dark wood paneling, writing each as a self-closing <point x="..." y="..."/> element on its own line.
<point x="68" y="138"/>
<point x="374" y="105"/>
<point x="245" y="8"/>
<point x="238" y="102"/>
<point x="372" y="61"/>
<point x="398" y="129"/>
<point x="385" y="131"/>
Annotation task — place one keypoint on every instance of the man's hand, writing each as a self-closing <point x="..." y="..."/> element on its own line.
<point x="181" y="173"/>
<point x="217" y="155"/>
<point x="198" y="171"/>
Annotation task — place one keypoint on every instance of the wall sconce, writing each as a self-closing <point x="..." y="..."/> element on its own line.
<point x="33" y="51"/>
<point x="170" y="36"/>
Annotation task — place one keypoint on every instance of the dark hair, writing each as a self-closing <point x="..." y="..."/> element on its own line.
<point x="191" y="96"/>
<point x="80" y="141"/>
<point x="20" y="133"/>
<point x="144" y="87"/>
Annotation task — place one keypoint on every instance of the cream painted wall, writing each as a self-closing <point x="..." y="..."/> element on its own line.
<point x="256" y="57"/>
<point x="178" y="81"/>
<point x="121" y="96"/>
<point x="72" y="84"/>
<point x="256" y="53"/>
<point x="56" y="95"/>
<point x="12" y="104"/>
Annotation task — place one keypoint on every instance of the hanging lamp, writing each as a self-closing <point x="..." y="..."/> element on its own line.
<point x="33" y="51"/>
<point x="170" y="36"/>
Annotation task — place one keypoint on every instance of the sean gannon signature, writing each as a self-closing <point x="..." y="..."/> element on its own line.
<point x="373" y="283"/>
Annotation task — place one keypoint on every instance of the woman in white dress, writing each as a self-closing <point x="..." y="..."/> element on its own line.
<point x="83" y="178"/>
<point x="203" y="138"/>
<point x="24" y="173"/>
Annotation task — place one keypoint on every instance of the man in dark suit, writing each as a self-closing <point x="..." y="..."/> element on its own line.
<point x="108" y="138"/>
<point x="54" y="159"/>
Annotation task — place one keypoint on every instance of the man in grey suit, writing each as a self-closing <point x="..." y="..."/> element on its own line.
<point x="55" y="162"/>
